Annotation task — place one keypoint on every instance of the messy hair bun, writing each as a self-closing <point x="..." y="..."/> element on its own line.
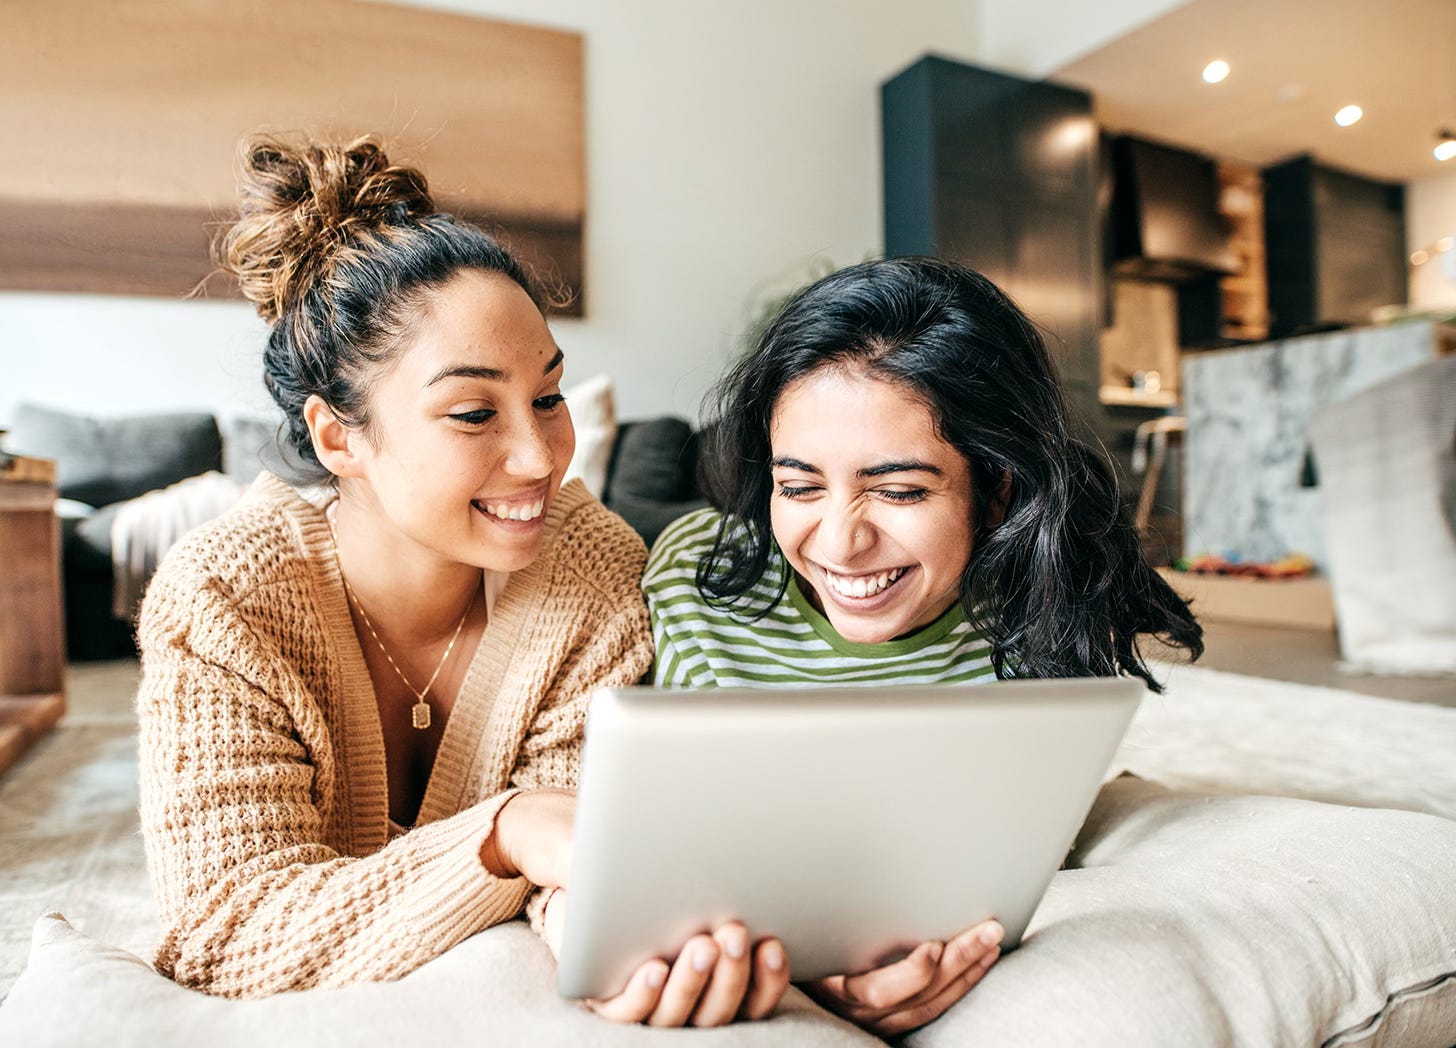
<point x="300" y="203"/>
<point x="336" y="246"/>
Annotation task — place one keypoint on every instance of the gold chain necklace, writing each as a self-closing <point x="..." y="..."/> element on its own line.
<point x="420" y="711"/>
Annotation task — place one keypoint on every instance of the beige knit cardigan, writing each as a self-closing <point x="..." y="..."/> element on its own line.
<point x="264" y="802"/>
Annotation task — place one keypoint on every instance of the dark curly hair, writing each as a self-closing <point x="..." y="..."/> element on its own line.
<point x="1060" y="586"/>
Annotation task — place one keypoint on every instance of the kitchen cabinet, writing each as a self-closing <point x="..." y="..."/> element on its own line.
<point x="1335" y="243"/>
<point x="1001" y="174"/>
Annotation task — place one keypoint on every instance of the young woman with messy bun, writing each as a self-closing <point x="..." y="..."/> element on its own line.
<point x="361" y="703"/>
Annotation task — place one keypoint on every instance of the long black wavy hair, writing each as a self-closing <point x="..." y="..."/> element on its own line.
<point x="1060" y="586"/>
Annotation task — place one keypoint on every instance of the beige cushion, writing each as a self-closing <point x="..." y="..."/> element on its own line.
<point x="496" y="988"/>
<point x="1198" y="919"/>
<point x="1190" y="919"/>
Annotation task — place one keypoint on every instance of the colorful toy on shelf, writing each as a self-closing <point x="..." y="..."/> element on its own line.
<point x="1293" y="566"/>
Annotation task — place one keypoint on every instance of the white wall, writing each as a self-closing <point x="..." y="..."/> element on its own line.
<point x="118" y="355"/>
<point x="728" y="144"/>
<point x="1430" y="214"/>
<point x="1036" y="37"/>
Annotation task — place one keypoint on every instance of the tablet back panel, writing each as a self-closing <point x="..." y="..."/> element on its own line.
<point x="853" y="823"/>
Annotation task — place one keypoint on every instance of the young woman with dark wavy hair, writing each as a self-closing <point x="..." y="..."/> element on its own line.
<point x="900" y="497"/>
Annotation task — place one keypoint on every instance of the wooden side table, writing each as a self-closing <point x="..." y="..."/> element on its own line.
<point x="32" y="635"/>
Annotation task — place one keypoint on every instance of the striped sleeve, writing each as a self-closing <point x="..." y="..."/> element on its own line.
<point x="671" y="588"/>
<point x="679" y="663"/>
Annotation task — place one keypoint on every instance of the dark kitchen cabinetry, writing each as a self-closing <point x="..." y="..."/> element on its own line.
<point x="1001" y="174"/>
<point x="1336" y="246"/>
<point x="1165" y="213"/>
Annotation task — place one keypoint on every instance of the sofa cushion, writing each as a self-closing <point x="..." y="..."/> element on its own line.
<point x="655" y="459"/>
<point x="249" y="446"/>
<point x="652" y="479"/>
<point x="88" y="545"/>
<point x="594" y="417"/>
<point x="104" y="460"/>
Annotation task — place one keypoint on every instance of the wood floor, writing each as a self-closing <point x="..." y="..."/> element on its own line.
<point x="1298" y="656"/>
<point x="1308" y="657"/>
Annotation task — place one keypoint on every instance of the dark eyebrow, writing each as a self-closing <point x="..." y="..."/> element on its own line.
<point x="883" y="469"/>
<point x="490" y="374"/>
<point x="912" y="466"/>
<point x="793" y="463"/>
<point x="468" y="371"/>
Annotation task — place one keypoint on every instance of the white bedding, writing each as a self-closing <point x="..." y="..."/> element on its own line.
<point x="1180" y="871"/>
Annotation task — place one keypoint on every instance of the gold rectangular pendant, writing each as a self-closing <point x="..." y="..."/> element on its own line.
<point x="420" y="715"/>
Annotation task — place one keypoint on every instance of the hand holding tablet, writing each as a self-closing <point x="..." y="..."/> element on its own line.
<point x="850" y="822"/>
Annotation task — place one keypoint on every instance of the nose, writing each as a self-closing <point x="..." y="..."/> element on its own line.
<point x="844" y="534"/>
<point x="528" y="454"/>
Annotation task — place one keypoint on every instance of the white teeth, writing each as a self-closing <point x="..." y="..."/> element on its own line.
<point x="508" y="512"/>
<point x="863" y="585"/>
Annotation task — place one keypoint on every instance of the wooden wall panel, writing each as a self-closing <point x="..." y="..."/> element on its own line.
<point x="123" y="119"/>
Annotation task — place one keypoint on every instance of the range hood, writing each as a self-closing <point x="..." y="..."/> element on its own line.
<point x="1165" y="219"/>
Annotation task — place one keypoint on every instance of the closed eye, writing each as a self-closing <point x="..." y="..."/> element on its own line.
<point x="550" y="402"/>
<point x="797" y="491"/>
<point x="475" y="418"/>
<point x="911" y="495"/>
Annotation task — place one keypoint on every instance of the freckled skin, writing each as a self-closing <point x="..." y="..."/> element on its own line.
<point x="428" y="467"/>
<point x="841" y="422"/>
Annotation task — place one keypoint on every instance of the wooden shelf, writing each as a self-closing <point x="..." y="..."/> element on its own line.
<point x="1245" y="295"/>
<point x="20" y="470"/>
<point x="32" y="643"/>
<point x="1120" y="396"/>
<point x="23" y="720"/>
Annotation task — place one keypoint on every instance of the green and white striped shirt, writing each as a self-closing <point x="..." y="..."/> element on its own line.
<point x="700" y="646"/>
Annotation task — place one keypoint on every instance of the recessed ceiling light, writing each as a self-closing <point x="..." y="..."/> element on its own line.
<point x="1215" y="71"/>
<point x="1347" y="116"/>
<point x="1446" y="147"/>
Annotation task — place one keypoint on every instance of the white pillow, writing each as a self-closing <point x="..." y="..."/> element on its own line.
<point x="594" y="416"/>
<point x="1183" y="919"/>
<point x="495" y="989"/>
<point x="71" y="509"/>
<point x="1230" y="920"/>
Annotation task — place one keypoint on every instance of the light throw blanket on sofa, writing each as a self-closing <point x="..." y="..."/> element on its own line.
<point x="146" y="527"/>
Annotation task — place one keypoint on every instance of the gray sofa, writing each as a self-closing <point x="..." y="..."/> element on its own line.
<point x="104" y="462"/>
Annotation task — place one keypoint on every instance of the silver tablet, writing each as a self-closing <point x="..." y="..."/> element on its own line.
<point x="852" y="823"/>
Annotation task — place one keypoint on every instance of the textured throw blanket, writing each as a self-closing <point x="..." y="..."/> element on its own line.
<point x="1387" y="466"/>
<point x="146" y="527"/>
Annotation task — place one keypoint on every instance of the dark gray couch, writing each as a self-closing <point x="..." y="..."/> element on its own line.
<point x="100" y="464"/>
<point x="653" y="476"/>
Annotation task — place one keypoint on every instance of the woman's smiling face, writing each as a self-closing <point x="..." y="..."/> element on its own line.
<point x="871" y="505"/>
<point x="470" y="438"/>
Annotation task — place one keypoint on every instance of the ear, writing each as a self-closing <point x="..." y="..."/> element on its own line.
<point x="337" y="445"/>
<point x="996" y="513"/>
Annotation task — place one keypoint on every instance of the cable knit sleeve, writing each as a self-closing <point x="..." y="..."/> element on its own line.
<point x="237" y="775"/>
<point x="619" y="652"/>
